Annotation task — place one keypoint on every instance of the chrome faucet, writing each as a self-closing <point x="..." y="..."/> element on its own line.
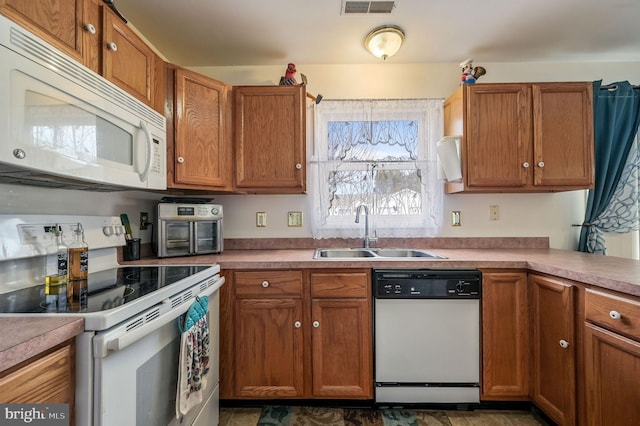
<point x="367" y="238"/>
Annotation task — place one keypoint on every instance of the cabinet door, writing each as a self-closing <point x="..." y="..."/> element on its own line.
<point x="341" y="342"/>
<point x="553" y="385"/>
<point x="270" y="139"/>
<point x="92" y="23"/>
<point x="563" y="134"/>
<point x="127" y="61"/>
<point x="505" y="336"/>
<point x="58" y="22"/>
<point x="612" y="370"/>
<point x="202" y="151"/>
<point x="268" y="347"/>
<point x="497" y="135"/>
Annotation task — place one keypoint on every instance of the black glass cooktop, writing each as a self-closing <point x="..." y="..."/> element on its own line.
<point x="106" y="290"/>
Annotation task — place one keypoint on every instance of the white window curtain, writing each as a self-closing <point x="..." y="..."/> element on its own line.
<point x="380" y="153"/>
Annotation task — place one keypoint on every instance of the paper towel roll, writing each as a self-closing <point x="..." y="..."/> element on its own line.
<point x="448" y="149"/>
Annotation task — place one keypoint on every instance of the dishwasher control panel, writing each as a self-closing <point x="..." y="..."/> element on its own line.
<point x="427" y="284"/>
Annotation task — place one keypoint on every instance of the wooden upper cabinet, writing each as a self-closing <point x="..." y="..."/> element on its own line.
<point x="58" y="22"/>
<point x="270" y="127"/>
<point x="202" y="147"/>
<point x="523" y="137"/>
<point x="127" y="61"/>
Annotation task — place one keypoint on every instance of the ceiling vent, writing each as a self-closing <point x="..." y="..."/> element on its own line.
<point x="350" y="7"/>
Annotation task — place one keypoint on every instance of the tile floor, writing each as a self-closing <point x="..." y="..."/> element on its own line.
<point x="244" y="416"/>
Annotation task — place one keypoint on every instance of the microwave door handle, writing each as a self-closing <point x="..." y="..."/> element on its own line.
<point x="147" y="167"/>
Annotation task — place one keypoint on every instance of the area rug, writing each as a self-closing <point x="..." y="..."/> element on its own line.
<point x="319" y="416"/>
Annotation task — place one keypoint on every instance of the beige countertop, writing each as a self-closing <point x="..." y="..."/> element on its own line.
<point x="613" y="273"/>
<point x="24" y="337"/>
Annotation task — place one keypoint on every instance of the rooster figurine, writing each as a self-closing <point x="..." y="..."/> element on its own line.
<point x="289" y="78"/>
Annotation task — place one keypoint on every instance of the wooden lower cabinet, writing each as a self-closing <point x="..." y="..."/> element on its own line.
<point x="553" y="348"/>
<point x="505" y="336"/>
<point x="46" y="379"/>
<point x="612" y="359"/>
<point x="296" y="334"/>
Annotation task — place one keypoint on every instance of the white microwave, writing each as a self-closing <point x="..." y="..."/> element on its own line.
<point x="63" y="125"/>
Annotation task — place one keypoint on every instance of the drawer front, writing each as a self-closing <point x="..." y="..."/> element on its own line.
<point x="613" y="312"/>
<point x="337" y="284"/>
<point x="268" y="283"/>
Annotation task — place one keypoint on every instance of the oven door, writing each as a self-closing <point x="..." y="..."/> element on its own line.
<point x="135" y="373"/>
<point x="175" y="238"/>
<point x="208" y="236"/>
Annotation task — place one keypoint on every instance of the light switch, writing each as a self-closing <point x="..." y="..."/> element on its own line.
<point x="261" y="219"/>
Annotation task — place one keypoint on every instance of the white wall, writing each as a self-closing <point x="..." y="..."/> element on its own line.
<point x="549" y="215"/>
<point x="520" y="214"/>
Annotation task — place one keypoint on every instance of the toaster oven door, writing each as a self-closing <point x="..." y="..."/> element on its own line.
<point x="175" y="238"/>
<point x="207" y="236"/>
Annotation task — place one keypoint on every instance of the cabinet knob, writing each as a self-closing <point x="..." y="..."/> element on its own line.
<point x="90" y="28"/>
<point x="298" y="166"/>
<point x="297" y="324"/>
<point x="564" y="344"/>
<point x="265" y="283"/>
<point x="180" y="160"/>
<point x="525" y="165"/>
<point x="541" y="164"/>
<point x="615" y="315"/>
<point x="316" y="324"/>
<point x="112" y="46"/>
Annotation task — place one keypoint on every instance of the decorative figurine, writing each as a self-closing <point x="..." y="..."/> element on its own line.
<point x="289" y="79"/>
<point x="470" y="74"/>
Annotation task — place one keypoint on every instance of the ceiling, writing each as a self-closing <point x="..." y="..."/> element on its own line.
<point x="275" y="32"/>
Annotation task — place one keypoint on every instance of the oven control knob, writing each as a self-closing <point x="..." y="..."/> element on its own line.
<point x="460" y="287"/>
<point x="107" y="230"/>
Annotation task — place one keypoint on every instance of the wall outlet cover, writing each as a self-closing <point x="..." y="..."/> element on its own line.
<point x="261" y="219"/>
<point x="294" y="219"/>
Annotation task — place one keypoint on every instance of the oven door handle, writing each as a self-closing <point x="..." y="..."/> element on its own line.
<point x="105" y="343"/>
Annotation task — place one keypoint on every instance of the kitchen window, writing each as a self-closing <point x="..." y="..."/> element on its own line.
<point x="380" y="153"/>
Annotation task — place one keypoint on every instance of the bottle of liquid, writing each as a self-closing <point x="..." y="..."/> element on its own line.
<point x="56" y="280"/>
<point x="78" y="267"/>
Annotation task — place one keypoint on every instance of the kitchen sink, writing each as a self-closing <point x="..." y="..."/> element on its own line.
<point x="351" y="253"/>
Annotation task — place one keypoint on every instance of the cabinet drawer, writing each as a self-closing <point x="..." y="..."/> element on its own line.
<point x="49" y="379"/>
<point x="613" y="312"/>
<point x="268" y="283"/>
<point x="336" y="284"/>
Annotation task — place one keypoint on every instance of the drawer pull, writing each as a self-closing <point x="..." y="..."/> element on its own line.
<point x="615" y="315"/>
<point x="265" y="283"/>
<point x="112" y="46"/>
<point x="564" y="344"/>
<point x="316" y="324"/>
<point x="297" y="324"/>
<point x="90" y="28"/>
<point x="541" y="164"/>
<point x="525" y="165"/>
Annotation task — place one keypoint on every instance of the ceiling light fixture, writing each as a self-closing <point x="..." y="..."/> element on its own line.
<point x="384" y="42"/>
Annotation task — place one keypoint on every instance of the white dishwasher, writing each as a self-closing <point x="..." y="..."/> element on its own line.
<point x="427" y="336"/>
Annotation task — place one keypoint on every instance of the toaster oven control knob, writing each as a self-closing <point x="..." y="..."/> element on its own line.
<point x="107" y="230"/>
<point x="215" y="211"/>
<point x="180" y="160"/>
<point x="19" y="153"/>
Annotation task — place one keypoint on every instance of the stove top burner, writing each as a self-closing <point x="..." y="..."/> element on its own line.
<point x="106" y="289"/>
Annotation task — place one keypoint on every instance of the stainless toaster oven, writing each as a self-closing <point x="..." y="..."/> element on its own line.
<point x="189" y="229"/>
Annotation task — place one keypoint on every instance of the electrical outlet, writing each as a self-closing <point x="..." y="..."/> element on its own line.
<point x="261" y="219"/>
<point x="144" y="220"/>
<point x="494" y="212"/>
<point x="294" y="219"/>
